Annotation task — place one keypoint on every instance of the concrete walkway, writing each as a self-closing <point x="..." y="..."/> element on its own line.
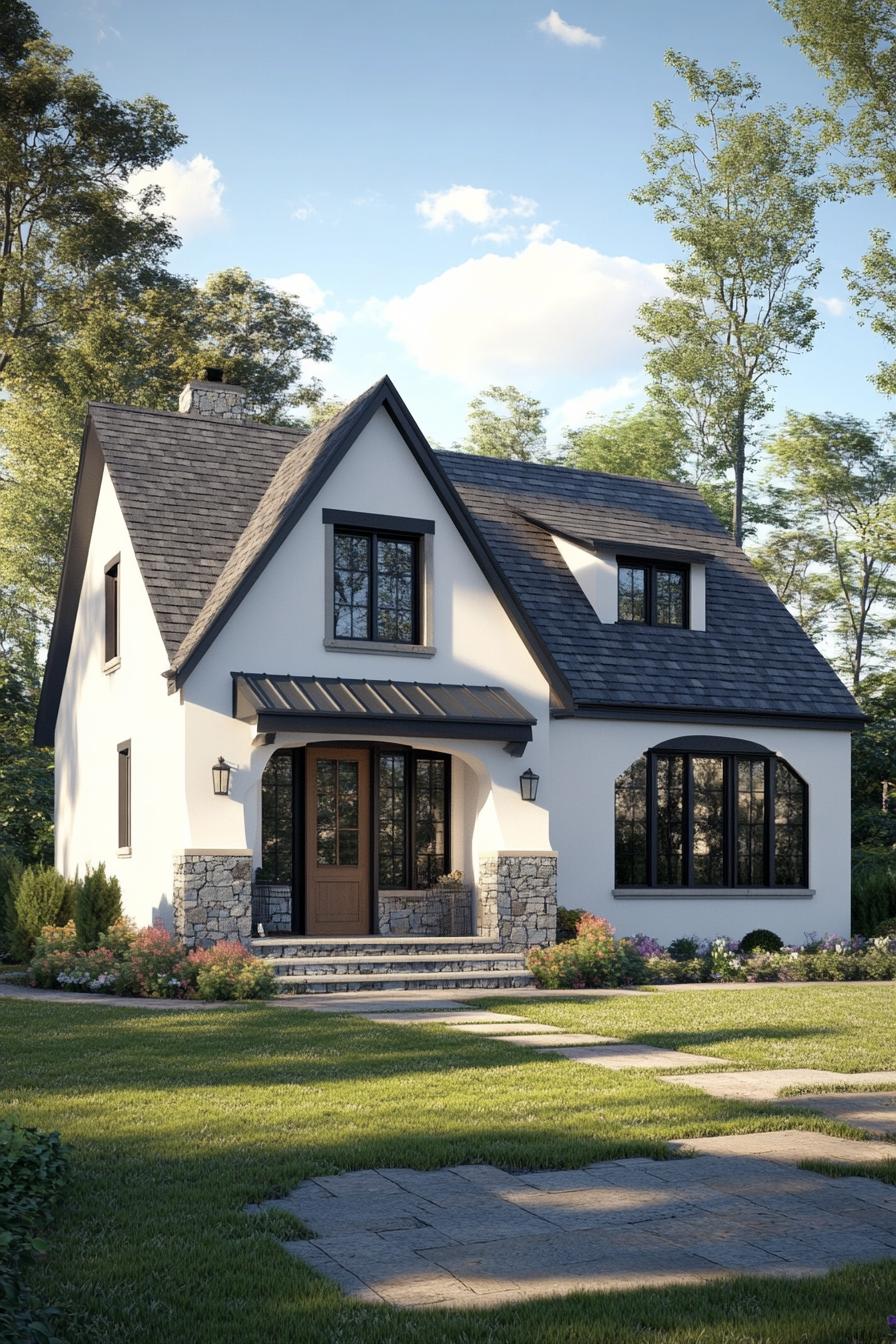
<point x="768" y="1084"/>
<point x="475" y="1236"/>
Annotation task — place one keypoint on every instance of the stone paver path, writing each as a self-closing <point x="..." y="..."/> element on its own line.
<point x="768" y="1084"/>
<point x="790" y="1145"/>
<point x="475" y="1236"/>
<point x="873" y="1111"/>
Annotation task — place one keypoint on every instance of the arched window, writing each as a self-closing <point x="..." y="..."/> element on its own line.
<point x="711" y="812"/>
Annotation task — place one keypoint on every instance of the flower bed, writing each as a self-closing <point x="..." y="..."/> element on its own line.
<point x="596" y="959"/>
<point x="147" y="963"/>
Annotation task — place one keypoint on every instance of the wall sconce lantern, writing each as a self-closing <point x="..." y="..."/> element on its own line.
<point x="528" y="786"/>
<point x="221" y="778"/>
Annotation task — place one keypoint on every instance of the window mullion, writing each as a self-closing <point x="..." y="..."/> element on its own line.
<point x="688" y="821"/>
<point x="770" y="820"/>
<point x="652" y="820"/>
<point x="410" y="806"/>
<point x="729" y="821"/>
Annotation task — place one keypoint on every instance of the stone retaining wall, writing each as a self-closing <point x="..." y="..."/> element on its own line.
<point x="518" y="898"/>
<point x="212" y="897"/>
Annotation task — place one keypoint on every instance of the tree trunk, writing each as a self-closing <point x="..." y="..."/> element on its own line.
<point x="740" y="470"/>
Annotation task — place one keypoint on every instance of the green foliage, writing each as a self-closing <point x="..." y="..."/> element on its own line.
<point x="649" y="442"/>
<point x="567" y="921"/>
<point x="97" y="905"/>
<point x="683" y="949"/>
<point x="76" y="236"/>
<point x="593" y="958"/>
<point x="228" y="971"/>
<point x="26" y="771"/>
<point x="43" y="897"/>
<point x="10" y="875"/>
<point x="33" y="1168"/>
<point x="873" y="889"/>
<point x="761" y="940"/>
<point x="739" y="190"/>
<point x="503" y="422"/>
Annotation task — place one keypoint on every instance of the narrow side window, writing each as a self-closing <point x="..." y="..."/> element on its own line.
<point x="124" y="795"/>
<point x="112" y="597"/>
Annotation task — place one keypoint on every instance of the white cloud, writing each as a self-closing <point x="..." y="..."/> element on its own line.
<point x="540" y="233"/>
<point x="569" y="33"/>
<point x="599" y="401"/>
<point x="302" y="287"/>
<point x="303" y="213"/>
<point x="552" y="307"/>
<point x="191" y="192"/>
<point x="836" y="307"/>
<point x="471" y="205"/>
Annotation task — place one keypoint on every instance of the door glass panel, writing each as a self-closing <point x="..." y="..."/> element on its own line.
<point x="670" y="821"/>
<point x="347" y="814"/>
<point x="430" y="858"/>
<point x="750" y="823"/>
<point x="392" y="797"/>
<point x="709" y="814"/>
<point x="277" y="818"/>
<point x="326" y="812"/>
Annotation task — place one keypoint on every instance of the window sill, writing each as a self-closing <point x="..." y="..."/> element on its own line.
<point x="380" y="646"/>
<point x="713" y="893"/>
<point x="125" y="852"/>
<point x="113" y="665"/>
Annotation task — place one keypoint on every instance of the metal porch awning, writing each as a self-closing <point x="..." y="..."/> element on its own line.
<point x="381" y="708"/>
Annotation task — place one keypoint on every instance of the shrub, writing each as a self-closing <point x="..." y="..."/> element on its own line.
<point x="684" y="949"/>
<point x="886" y="929"/>
<point x="10" y="876"/>
<point x="228" y="971"/>
<point x="97" y="905"/>
<point x="43" y="897"/>
<point x="593" y="959"/>
<point x="32" y="1170"/>
<point x="873" y="889"/>
<point x="567" y="920"/>
<point x="761" y="940"/>
<point x="160" y="965"/>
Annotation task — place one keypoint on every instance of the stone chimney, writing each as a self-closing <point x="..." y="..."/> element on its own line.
<point x="211" y="396"/>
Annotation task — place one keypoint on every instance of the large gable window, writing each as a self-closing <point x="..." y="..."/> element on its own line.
<point x="379" y="582"/>
<point x="711" y="813"/>
<point x="652" y="592"/>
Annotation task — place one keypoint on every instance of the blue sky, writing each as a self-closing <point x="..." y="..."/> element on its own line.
<point x="325" y="141"/>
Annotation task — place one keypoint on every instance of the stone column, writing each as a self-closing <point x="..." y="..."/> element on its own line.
<point x="518" y="898"/>
<point x="212" y="896"/>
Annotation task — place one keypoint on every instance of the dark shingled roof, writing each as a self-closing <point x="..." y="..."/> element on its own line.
<point x="753" y="657"/>
<point x="187" y="486"/>
<point x="207" y="502"/>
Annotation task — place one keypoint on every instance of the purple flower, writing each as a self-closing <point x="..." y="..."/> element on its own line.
<point x="646" y="946"/>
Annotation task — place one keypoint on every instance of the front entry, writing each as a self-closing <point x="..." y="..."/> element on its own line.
<point x="337" y="842"/>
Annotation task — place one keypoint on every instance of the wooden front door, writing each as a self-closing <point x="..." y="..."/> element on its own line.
<point x="337" y="836"/>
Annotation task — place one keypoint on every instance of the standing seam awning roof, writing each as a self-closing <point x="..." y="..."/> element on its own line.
<point x="433" y="709"/>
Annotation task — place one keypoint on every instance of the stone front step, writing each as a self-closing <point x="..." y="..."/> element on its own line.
<point x="413" y="962"/>
<point x="447" y="978"/>
<point x="387" y="947"/>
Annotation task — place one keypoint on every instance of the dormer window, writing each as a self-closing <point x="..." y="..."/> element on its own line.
<point x="652" y="592"/>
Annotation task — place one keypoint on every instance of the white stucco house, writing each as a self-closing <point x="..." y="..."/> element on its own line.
<point x="295" y="679"/>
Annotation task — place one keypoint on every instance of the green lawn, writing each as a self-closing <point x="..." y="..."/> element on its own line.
<point x="849" y="1028"/>
<point x="176" y="1120"/>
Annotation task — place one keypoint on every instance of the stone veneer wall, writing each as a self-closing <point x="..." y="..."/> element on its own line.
<point x="224" y="401"/>
<point x="212" y="897"/>
<point x="518" y="898"/>
<point x="437" y="912"/>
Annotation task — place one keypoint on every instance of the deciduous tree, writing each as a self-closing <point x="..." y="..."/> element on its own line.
<point x="504" y="422"/>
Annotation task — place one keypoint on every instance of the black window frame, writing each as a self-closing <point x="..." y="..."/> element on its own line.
<point x="124" y="786"/>
<point x="112" y="611"/>
<point x="411" y="756"/>
<point x="730" y="760"/>
<point x="373" y="536"/>
<point x="651" y="568"/>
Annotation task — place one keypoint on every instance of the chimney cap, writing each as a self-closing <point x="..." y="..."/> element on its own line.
<point x="213" y="375"/>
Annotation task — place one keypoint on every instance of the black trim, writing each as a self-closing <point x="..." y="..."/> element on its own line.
<point x="671" y="714"/>
<point x="77" y="545"/>
<point x="470" y="728"/>
<point x="411" y="755"/>
<point x="377" y="522"/>
<point x="709" y="746"/>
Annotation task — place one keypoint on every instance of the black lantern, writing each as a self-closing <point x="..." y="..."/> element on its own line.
<point x="221" y="778"/>
<point x="528" y="786"/>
